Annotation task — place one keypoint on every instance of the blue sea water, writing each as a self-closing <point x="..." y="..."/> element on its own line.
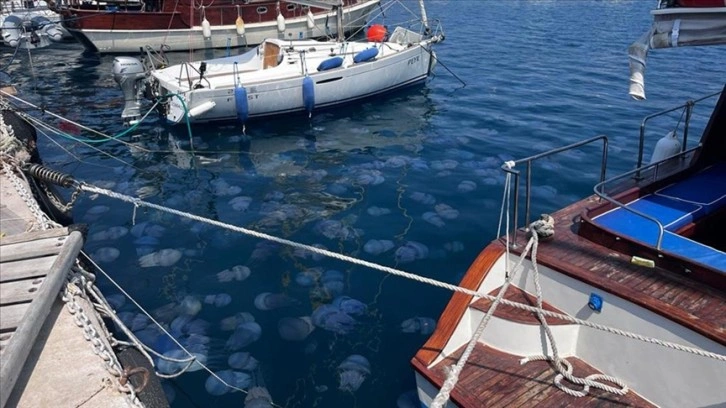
<point x="538" y="74"/>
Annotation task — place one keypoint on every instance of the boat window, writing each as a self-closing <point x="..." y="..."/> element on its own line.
<point x="291" y="7"/>
<point x="262" y="10"/>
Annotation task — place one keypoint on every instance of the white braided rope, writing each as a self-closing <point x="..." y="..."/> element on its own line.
<point x="562" y="366"/>
<point x="140" y="203"/>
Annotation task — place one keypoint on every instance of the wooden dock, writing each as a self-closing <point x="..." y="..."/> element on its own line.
<point x="44" y="358"/>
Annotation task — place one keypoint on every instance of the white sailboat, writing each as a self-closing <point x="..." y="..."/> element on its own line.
<point x="282" y="76"/>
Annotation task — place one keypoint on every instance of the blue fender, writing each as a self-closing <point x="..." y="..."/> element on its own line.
<point x="308" y="90"/>
<point x="240" y="102"/>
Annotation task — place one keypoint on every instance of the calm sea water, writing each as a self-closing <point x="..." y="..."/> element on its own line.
<point x="538" y="74"/>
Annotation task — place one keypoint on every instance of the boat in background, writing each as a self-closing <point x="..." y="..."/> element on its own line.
<point x="617" y="299"/>
<point x="279" y="76"/>
<point x="123" y="26"/>
<point x="29" y="24"/>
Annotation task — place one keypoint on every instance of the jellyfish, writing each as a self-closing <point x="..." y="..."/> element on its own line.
<point x="295" y="328"/>
<point x="236" y="273"/>
<point x="139" y="322"/>
<point x="333" y="282"/>
<point x="168" y="366"/>
<point x="466" y="186"/>
<point x="146" y="240"/>
<point x="245" y="334"/>
<point x="423" y="325"/>
<point x="445" y="211"/>
<point x="215" y="384"/>
<point x="230" y="323"/>
<point x="241" y="203"/>
<point x="112" y="233"/>
<point x="331" y="318"/>
<point x="454" y="246"/>
<point x="105" y="254"/>
<point x="423" y="198"/>
<point x="433" y="219"/>
<point x="242" y="360"/>
<point x="308" y="277"/>
<point x="270" y="301"/>
<point x="258" y="397"/>
<point x="411" y="251"/>
<point x="165" y="257"/>
<point x="378" y="246"/>
<point x="190" y="306"/>
<point x="378" y="211"/>
<point x="218" y="300"/>
<point x="352" y="372"/>
<point x="349" y="305"/>
<point x="94" y="213"/>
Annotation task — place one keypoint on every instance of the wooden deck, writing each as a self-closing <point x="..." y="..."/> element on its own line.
<point x="497" y="379"/>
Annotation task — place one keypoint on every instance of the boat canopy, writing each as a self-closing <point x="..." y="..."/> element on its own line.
<point x="675" y="27"/>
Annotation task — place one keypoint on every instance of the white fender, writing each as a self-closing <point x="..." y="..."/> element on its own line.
<point x="310" y="20"/>
<point x="666" y="147"/>
<point x="240" y="26"/>
<point x="201" y="109"/>
<point x="206" y="28"/>
<point x="280" y="23"/>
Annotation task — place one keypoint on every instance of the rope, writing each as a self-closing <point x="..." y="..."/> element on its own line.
<point x="545" y="227"/>
<point x="140" y="203"/>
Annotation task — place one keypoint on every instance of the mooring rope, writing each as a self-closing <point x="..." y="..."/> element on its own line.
<point x="141" y="203"/>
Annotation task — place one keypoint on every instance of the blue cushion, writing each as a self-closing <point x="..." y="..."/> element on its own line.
<point x="673" y="214"/>
<point x="706" y="188"/>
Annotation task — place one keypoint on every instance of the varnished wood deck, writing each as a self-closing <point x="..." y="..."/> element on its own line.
<point x="497" y="379"/>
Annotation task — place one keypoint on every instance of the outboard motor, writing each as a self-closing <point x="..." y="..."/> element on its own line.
<point x="46" y="26"/>
<point x="130" y="75"/>
<point x="12" y="29"/>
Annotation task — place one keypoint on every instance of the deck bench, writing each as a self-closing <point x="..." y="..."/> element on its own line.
<point x="675" y="206"/>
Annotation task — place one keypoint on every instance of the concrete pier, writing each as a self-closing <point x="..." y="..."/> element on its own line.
<point x="45" y="359"/>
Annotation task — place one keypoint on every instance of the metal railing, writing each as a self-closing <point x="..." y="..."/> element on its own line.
<point x="528" y="186"/>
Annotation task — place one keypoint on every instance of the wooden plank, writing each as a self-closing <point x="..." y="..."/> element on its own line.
<point x="11" y="316"/>
<point x="34" y="235"/>
<point x="23" y="339"/>
<point x="31" y="249"/>
<point x="26" y="269"/>
<point x="19" y="291"/>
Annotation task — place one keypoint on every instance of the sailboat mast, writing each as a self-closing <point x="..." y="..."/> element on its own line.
<point x="339" y="21"/>
<point x="424" y="19"/>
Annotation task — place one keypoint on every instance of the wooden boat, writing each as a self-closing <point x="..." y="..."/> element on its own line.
<point x="280" y="77"/>
<point x="615" y="300"/>
<point x="123" y="26"/>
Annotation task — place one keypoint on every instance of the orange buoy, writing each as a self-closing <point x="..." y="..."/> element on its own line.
<point x="376" y="33"/>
